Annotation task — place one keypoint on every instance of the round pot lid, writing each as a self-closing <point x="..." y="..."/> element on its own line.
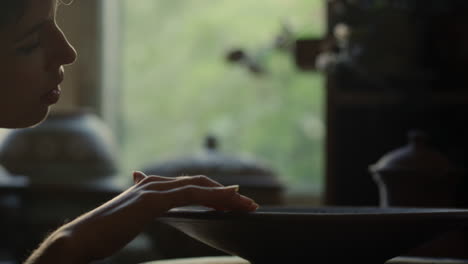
<point x="220" y="167"/>
<point x="415" y="157"/>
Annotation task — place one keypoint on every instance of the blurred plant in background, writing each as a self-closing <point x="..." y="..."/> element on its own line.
<point x="178" y="86"/>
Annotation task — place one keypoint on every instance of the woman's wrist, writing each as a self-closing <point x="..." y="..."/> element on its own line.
<point x="59" y="247"/>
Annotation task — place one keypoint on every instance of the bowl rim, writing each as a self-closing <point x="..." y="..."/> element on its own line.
<point x="325" y="212"/>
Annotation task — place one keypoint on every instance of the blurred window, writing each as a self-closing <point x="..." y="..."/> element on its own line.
<point x="178" y="87"/>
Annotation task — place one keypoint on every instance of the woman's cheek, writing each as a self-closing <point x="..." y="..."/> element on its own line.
<point x="35" y="60"/>
<point x="32" y="69"/>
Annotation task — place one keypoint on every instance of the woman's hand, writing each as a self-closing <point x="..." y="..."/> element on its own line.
<point x="196" y="190"/>
<point x="105" y="230"/>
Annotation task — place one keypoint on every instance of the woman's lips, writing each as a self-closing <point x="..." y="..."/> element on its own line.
<point x="52" y="96"/>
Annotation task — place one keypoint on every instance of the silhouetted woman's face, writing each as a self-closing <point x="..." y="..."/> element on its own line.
<point x="33" y="51"/>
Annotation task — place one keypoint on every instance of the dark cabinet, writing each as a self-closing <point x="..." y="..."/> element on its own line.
<point x="404" y="67"/>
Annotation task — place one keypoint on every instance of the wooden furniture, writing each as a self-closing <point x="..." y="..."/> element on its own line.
<point x="377" y="94"/>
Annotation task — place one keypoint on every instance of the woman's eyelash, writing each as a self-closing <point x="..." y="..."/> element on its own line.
<point x="29" y="48"/>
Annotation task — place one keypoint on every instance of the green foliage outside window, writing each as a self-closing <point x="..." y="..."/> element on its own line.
<point x="178" y="86"/>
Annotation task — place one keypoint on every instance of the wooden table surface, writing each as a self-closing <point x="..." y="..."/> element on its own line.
<point x="237" y="260"/>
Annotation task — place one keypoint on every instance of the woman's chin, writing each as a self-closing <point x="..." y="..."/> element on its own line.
<point x="38" y="119"/>
<point x="27" y="120"/>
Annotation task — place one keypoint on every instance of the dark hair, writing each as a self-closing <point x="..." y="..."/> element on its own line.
<point x="11" y="11"/>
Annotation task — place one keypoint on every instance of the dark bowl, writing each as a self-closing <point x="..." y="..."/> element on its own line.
<point x="324" y="235"/>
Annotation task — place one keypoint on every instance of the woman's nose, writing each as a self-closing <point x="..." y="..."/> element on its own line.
<point x="69" y="53"/>
<point x="61" y="52"/>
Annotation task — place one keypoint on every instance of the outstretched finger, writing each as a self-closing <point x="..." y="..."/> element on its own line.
<point x="226" y="198"/>
<point x="207" y="180"/>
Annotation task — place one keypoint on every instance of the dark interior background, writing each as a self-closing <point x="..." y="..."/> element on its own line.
<point x="412" y="75"/>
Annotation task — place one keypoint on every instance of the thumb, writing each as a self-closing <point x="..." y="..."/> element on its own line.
<point x="138" y="176"/>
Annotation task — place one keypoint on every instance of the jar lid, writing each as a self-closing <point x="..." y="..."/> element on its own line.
<point x="220" y="167"/>
<point x="415" y="157"/>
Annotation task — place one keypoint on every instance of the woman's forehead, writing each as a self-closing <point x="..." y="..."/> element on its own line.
<point x="36" y="12"/>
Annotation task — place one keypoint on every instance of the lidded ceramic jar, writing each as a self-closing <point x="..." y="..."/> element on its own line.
<point x="67" y="148"/>
<point x="415" y="175"/>
<point x="255" y="179"/>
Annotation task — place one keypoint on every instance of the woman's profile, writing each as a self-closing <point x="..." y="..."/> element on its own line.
<point x="33" y="53"/>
